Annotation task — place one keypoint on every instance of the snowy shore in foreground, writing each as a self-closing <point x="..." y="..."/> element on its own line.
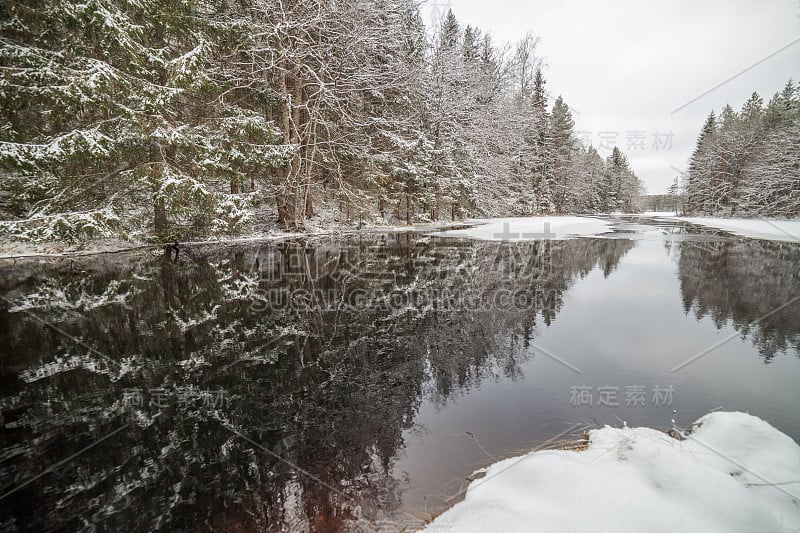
<point x="733" y="472"/>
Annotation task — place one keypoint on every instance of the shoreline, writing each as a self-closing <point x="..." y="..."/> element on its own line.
<point x="113" y="246"/>
<point x="785" y="230"/>
<point x="723" y="460"/>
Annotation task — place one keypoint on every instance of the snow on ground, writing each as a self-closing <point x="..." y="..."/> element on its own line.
<point x="734" y="472"/>
<point x="774" y="230"/>
<point x="658" y="213"/>
<point x="530" y="228"/>
<point x="13" y="250"/>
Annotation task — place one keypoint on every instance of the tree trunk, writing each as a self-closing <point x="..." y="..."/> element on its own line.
<point x="285" y="210"/>
<point x="285" y="195"/>
<point x="159" y="216"/>
<point x="309" y="206"/>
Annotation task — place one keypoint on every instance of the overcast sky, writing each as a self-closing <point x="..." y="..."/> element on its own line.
<point x="626" y="66"/>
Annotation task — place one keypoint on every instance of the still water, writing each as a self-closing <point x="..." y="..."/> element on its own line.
<point x="354" y="383"/>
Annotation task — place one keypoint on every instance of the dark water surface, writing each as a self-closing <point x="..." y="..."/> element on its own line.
<point x="354" y="383"/>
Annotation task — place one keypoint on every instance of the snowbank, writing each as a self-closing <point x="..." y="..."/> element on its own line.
<point x="774" y="230"/>
<point x="662" y="214"/>
<point x="13" y="250"/>
<point x="530" y="228"/>
<point x="734" y="472"/>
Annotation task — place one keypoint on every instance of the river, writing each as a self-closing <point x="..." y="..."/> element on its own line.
<point x="354" y="383"/>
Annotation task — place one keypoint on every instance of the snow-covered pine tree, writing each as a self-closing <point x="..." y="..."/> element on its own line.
<point x="702" y="165"/>
<point x="621" y="188"/>
<point x="562" y="135"/>
<point x="771" y="179"/>
<point x="115" y="114"/>
<point x="587" y="191"/>
<point x="747" y="163"/>
<point x="542" y="150"/>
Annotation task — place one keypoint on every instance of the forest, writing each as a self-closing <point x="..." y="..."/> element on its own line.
<point x="748" y="163"/>
<point x="175" y="119"/>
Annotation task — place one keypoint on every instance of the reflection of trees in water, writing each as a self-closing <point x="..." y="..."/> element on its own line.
<point x="750" y="283"/>
<point x="330" y="387"/>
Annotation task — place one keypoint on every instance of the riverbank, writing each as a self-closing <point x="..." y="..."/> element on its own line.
<point x="729" y="472"/>
<point x="513" y="229"/>
<point x="15" y="250"/>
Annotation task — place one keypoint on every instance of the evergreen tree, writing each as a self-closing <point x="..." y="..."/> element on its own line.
<point x="541" y="141"/>
<point x="561" y="130"/>
<point x="135" y="121"/>
<point x="450" y="34"/>
<point x="747" y="163"/>
<point x="701" y="166"/>
<point x="622" y="189"/>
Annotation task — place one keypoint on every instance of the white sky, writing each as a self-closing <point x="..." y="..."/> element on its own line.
<point x="626" y="66"/>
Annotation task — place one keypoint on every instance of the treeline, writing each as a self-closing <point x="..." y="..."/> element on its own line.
<point x="177" y="118"/>
<point x="748" y="163"/>
<point x="662" y="202"/>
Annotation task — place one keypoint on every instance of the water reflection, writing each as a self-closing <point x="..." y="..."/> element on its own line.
<point x="753" y="284"/>
<point x="271" y="387"/>
<point x="255" y="388"/>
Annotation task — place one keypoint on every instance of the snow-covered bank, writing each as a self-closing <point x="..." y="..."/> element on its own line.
<point x="530" y="228"/>
<point x="14" y="250"/>
<point x="773" y="230"/>
<point x="734" y="472"/>
<point x="659" y="214"/>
